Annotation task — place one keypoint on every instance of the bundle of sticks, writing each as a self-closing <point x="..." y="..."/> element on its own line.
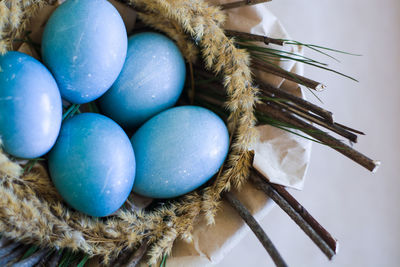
<point x="289" y="109"/>
<point x="321" y="237"/>
<point x="299" y="113"/>
<point x="296" y="113"/>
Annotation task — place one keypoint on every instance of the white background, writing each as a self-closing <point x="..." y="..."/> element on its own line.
<point x="362" y="210"/>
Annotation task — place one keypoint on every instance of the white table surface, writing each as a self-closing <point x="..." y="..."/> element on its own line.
<point x="359" y="208"/>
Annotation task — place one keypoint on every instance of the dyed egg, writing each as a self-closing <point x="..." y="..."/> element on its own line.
<point x="92" y="164"/>
<point x="178" y="150"/>
<point x="84" y="45"/>
<point x="30" y="106"/>
<point x="151" y="80"/>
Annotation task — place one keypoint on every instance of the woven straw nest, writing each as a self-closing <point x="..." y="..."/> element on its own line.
<point x="31" y="211"/>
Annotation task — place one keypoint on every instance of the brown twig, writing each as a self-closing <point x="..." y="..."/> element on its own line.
<point x="137" y="255"/>
<point x="284" y="205"/>
<point x="350" y="129"/>
<point x="275" y="111"/>
<point x="297" y="100"/>
<point x="282" y="115"/>
<point x="54" y="259"/>
<point x="14" y="254"/>
<point x="32" y="260"/>
<point x="43" y="261"/>
<point x="293" y="108"/>
<point x="305" y="106"/>
<point x="140" y="26"/>
<point x="210" y="99"/>
<point x="271" y="91"/>
<point x="4" y="241"/>
<point x="334" y="127"/>
<point x="129" y="205"/>
<point x="278" y="71"/>
<point x="321" y="231"/>
<point x="254" y="37"/>
<point x="256" y="228"/>
<point x="290" y="107"/>
<point x="8" y="248"/>
<point x="242" y="3"/>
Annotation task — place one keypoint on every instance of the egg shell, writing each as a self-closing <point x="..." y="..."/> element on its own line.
<point x="84" y="45"/>
<point x="92" y="164"/>
<point x="30" y="106"/>
<point x="178" y="150"/>
<point x="151" y="80"/>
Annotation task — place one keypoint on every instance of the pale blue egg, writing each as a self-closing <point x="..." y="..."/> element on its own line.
<point x="92" y="165"/>
<point x="178" y="150"/>
<point x="151" y="80"/>
<point x="30" y="106"/>
<point x="84" y="45"/>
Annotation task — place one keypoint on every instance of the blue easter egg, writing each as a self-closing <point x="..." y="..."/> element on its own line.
<point x="151" y="80"/>
<point x="30" y="106"/>
<point x="178" y="150"/>
<point x="92" y="164"/>
<point x="84" y="45"/>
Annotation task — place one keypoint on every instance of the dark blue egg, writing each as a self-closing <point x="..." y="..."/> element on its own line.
<point x="178" y="150"/>
<point x="84" y="45"/>
<point x="30" y="106"/>
<point x="92" y="164"/>
<point x="151" y="80"/>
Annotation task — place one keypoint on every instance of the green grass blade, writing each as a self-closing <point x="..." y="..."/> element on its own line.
<point x="83" y="261"/>
<point x="290" y="128"/>
<point x="68" y="111"/>
<point x="277" y="53"/>
<point x="301" y="135"/>
<point x="262" y="49"/>
<point x="293" y="42"/>
<point x="281" y="58"/>
<point x="74" y="108"/>
<point x="299" y="58"/>
<point x="64" y="258"/>
<point x="318" y="65"/>
<point x="164" y="261"/>
<point x="29" y="252"/>
<point x="334" y="71"/>
<point x="298" y="81"/>
<point x="286" y="127"/>
<point x="315" y="49"/>
<point x="31" y="163"/>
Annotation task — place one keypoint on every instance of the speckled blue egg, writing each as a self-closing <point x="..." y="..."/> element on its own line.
<point x="30" y="106"/>
<point x="151" y="80"/>
<point x="92" y="164"/>
<point x="178" y="150"/>
<point x="84" y="45"/>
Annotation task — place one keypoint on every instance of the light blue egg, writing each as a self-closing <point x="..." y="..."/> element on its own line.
<point x="30" y="106"/>
<point x="151" y="80"/>
<point x="178" y="150"/>
<point x="84" y="45"/>
<point x="92" y="165"/>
